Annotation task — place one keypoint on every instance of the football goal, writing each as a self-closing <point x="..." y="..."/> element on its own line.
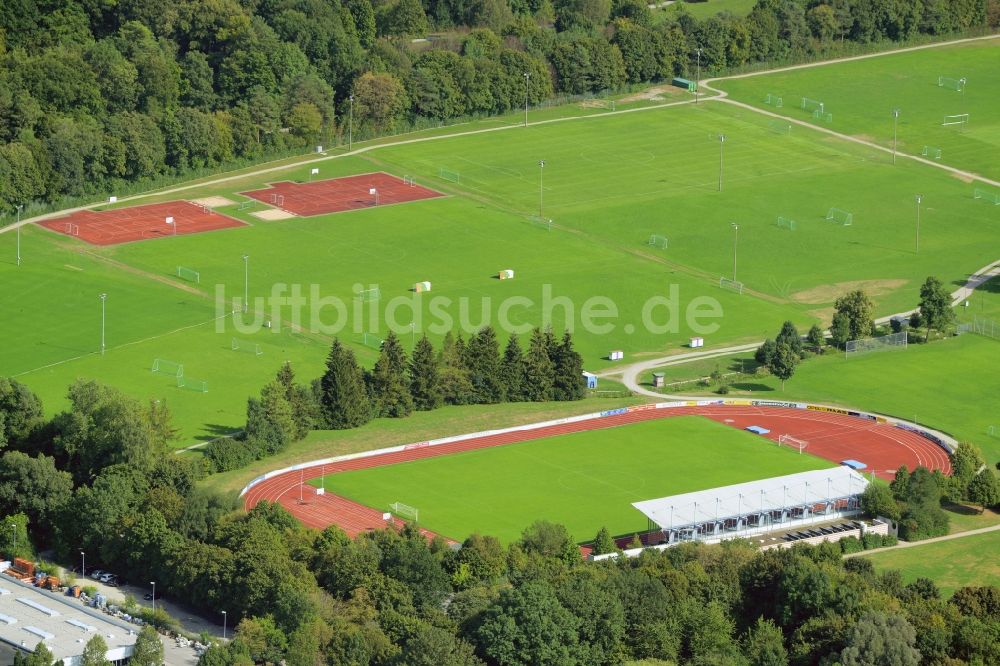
<point x="367" y="295"/>
<point x="191" y="384"/>
<point x="987" y="195"/>
<point x="731" y="285"/>
<point x="779" y="126"/>
<point x="404" y="511"/>
<point x="245" y="346"/>
<point x="409" y="180"/>
<point x="799" y="445"/>
<point x="189" y="274"/>
<point x="774" y="100"/>
<point x="931" y="151"/>
<point x="960" y="119"/>
<point x="840" y="217"/>
<point x="786" y="223"/>
<point x="246" y="204"/>
<point x="72" y="229"/>
<point x="371" y="340"/>
<point x="890" y="342"/>
<point x="608" y="104"/>
<point x="450" y="176"/>
<point x="278" y="199"/>
<point x="993" y="431"/>
<point x="659" y="242"/>
<point x="957" y="85"/>
<point x="812" y="105"/>
<point x="823" y="116"/>
<point x="543" y="222"/>
<point x="163" y="366"/>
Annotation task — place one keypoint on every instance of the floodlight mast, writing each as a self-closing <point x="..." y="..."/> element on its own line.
<point x="697" y="82"/>
<point x="526" y="77"/>
<point x="920" y="198"/>
<point x="541" y="188"/>
<point x="736" y="242"/>
<point x="895" y="118"/>
<point x="722" y="142"/>
<point x="17" y="230"/>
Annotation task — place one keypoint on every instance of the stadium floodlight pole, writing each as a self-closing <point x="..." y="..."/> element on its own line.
<point x="350" y="127"/>
<point x="895" y="117"/>
<point x="104" y="298"/>
<point x="736" y="242"/>
<point x="722" y="143"/>
<point x="17" y="230"/>
<point x="541" y="189"/>
<point x="919" y="199"/>
<point x="526" y="77"/>
<point x="224" y="618"/>
<point x="246" y="281"/>
<point x="153" y="583"/>
<point x="13" y="533"/>
<point x="83" y="564"/>
<point x="697" y="80"/>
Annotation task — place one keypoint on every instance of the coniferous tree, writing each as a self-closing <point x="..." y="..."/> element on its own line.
<point x="343" y="397"/>
<point x="569" y="382"/>
<point x="389" y="386"/>
<point x="482" y="357"/>
<point x="425" y="382"/>
<point x="539" y="373"/>
<point x="512" y="371"/>
<point x="790" y="336"/>
<point x="300" y="399"/>
<point x="456" y="387"/>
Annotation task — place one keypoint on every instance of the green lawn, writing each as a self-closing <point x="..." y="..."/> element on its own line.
<point x="950" y="564"/>
<point x="862" y="94"/>
<point x="584" y="480"/>
<point x="703" y="10"/>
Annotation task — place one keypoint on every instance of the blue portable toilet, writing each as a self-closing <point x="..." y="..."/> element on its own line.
<point x="591" y="379"/>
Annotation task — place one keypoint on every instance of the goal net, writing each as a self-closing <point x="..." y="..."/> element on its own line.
<point x="598" y="104"/>
<point x="248" y="347"/>
<point x="951" y="84"/>
<point x="799" y="445"/>
<point x="543" y="222"/>
<point x="993" y="431"/>
<point x="822" y="115"/>
<point x="189" y="274"/>
<point x="404" y="511"/>
<point x="840" y="216"/>
<point x="163" y="366"/>
<point x="774" y="100"/>
<point x="961" y="119"/>
<point x="931" y="151"/>
<point x="786" y="223"/>
<point x="890" y="342"/>
<point x="191" y="384"/>
<point x="450" y="176"/>
<point x="812" y="105"/>
<point x="731" y="285"/>
<point x="366" y="295"/>
<point x="409" y="180"/>
<point x="72" y="229"/>
<point x="278" y="199"/>
<point x="659" y="242"/>
<point x="371" y="340"/>
<point x="987" y="195"/>
<point x="779" y="126"/>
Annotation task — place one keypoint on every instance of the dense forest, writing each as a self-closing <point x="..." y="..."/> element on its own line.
<point x="109" y="95"/>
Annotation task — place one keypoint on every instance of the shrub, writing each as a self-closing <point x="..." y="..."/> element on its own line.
<point x="850" y="545"/>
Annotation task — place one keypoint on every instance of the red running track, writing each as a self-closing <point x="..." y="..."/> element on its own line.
<point x="830" y="435"/>
<point x="340" y="194"/>
<point x="124" y="225"/>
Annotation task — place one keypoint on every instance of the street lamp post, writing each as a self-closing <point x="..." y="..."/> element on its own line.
<point x="919" y="199"/>
<point x="722" y="142"/>
<point x="224" y="618"/>
<point x="697" y="91"/>
<point x="350" y="127"/>
<point x="83" y="564"/>
<point x="246" y="281"/>
<point x="736" y="242"/>
<point x="13" y="532"/>
<point x="104" y="298"/>
<point x="17" y="230"/>
<point x="526" y="77"/>
<point x="541" y="188"/>
<point x="895" y="118"/>
<point x="153" y="583"/>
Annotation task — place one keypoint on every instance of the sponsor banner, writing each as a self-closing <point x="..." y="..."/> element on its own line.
<point x="416" y="445"/>
<point x="641" y="408"/>
<point x="824" y="408"/>
<point x="862" y="415"/>
<point x="614" y="412"/>
<point x="775" y="403"/>
<point x="735" y="403"/>
<point x="668" y="405"/>
<point x="926" y="435"/>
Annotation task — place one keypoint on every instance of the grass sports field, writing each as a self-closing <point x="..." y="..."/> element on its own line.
<point x="610" y="182"/>
<point x="571" y="479"/>
<point x="862" y="94"/>
<point x="950" y="564"/>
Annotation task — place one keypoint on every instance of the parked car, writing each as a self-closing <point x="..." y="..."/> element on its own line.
<point x="97" y="573"/>
<point x="148" y="596"/>
<point x="106" y="577"/>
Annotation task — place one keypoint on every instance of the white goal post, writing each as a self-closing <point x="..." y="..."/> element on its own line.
<point x="813" y="105"/>
<point x="793" y="442"/>
<point x="451" y="176"/>
<point x="163" y="366"/>
<point x="731" y="285"/>
<point x="774" y="100"/>
<point x="189" y="274"/>
<point x="840" y="216"/>
<point x="952" y="84"/>
<point x="957" y="119"/>
<point x="889" y="342"/>
<point x="370" y="294"/>
<point x="660" y="242"/>
<point x="986" y="195"/>
<point x="404" y="511"/>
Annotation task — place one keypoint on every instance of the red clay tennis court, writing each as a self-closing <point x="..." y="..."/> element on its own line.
<point x="341" y="194"/>
<point x="125" y="225"/>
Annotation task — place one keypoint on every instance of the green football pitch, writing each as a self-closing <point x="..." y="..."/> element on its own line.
<point x="950" y="564"/>
<point x="610" y="182"/>
<point x="862" y="94"/>
<point x="583" y="480"/>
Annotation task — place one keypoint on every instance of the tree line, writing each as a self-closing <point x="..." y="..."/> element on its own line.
<point x="98" y="477"/>
<point x="99" y="96"/>
<point x="348" y="396"/>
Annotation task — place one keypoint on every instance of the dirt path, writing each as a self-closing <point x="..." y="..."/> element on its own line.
<point x="914" y="544"/>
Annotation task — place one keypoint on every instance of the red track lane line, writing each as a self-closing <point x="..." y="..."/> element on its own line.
<point x="832" y="436"/>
